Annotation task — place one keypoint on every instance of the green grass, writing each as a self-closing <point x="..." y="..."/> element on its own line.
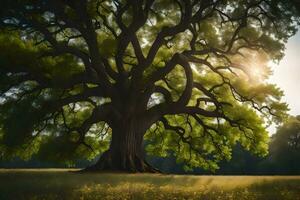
<point x="61" y="184"/>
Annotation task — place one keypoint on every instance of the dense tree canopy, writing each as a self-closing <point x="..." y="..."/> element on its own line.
<point x="84" y="77"/>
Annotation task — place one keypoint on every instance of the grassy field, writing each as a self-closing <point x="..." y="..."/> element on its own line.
<point x="61" y="184"/>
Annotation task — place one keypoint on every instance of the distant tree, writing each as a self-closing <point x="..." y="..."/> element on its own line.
<point x="285" y="148"/>
<point x="84" y="77"/>
<point x="241" y="163"/>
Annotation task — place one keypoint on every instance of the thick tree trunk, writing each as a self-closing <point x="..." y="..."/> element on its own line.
<point x="126" y="153"/>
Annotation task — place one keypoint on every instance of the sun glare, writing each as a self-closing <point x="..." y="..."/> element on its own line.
<point x="257" y="71"/>
<point x="254" y="65"/>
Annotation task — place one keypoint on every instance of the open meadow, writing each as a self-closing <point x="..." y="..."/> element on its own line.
<point x="62" y="184"/>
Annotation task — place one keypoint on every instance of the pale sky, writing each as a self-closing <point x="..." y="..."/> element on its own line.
<point x="287" y="75"/>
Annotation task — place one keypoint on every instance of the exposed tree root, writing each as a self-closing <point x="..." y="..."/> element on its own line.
<point x="126" y="164"/>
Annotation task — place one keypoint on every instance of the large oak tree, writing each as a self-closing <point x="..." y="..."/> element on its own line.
<point x="80" y="78"/>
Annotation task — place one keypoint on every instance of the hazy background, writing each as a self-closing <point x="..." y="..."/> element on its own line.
<point x="287" y="76"/>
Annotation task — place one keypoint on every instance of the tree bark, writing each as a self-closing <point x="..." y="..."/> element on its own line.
<point x="126" y="151"/>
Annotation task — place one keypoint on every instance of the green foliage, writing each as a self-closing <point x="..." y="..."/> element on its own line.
<point x="107" y="46"/>
<point x="22" y="56"/>
<point x="25" y="105"/>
